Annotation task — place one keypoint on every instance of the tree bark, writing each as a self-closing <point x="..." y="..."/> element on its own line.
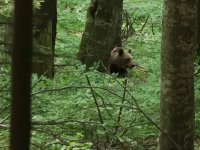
<point x="118" y="36"/>
<point x="45" y="23"/>
<point x="177" y="89"/>
<point x="21" y="76"/>
<point x="198" y="29"/>
<point x="100" y="31"/>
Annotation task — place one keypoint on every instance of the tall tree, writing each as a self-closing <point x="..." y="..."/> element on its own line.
<point x="45" y="22"/>
<point x="198" y="30"/>
<point x="177" y="89"/>
<point x="21" y="76"/>
<point x="100" y="31"/>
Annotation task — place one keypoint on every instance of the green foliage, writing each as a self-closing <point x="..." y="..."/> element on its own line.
<point x="64" y="112"/>
<point x="197" y="93"/>
<point x="7" y="8"/>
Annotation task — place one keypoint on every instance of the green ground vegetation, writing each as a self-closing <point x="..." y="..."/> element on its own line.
<point x="67" y="112"/>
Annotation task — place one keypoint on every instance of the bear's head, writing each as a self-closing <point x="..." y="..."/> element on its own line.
<point x="122" y="58"/>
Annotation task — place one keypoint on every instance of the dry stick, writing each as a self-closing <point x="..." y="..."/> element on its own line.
<point x="152" y="27"/>
<point x="75" y="87"/>
<point x="4" y="126"/>
<point x="112" y="118"/>
<point x="145" y="23"/>
<point x="104" y="104"/>
<point x="152" y="122"/>
<point x="125" y="131"/>
<point x="140" y="110"/>
<point x="5" y="108"/>
<point x="55" y="135"/>
<point x="76" y="121"/>
<point x="6" y="23"/>
<point x="40" y="79"/>
<point x="5" y="119"/>
<point x="95" y="100"/>
<point x="128" y="25"/>
<point x="120" y="111"/>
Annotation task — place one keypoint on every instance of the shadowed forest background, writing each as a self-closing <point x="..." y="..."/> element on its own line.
<point x="77" y="109"/>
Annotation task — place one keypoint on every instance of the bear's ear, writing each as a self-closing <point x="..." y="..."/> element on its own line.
<point x="129" y="51"/>
<point x="121" y="51"/>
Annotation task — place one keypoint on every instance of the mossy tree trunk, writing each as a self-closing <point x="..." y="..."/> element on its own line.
<point x="44" y="38"/>
<point x="100" y="31"/>
<point x="177" y="88"/>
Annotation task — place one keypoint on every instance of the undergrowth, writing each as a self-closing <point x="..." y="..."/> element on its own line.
<point x="78" y="109"/>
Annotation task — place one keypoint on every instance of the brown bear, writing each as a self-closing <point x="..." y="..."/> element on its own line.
<point x="120" y="61"/>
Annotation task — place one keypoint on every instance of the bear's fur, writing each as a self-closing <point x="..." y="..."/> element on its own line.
<point x="120" y="61"/>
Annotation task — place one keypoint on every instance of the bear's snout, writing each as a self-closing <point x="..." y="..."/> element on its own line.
<point x="132" y="66"/>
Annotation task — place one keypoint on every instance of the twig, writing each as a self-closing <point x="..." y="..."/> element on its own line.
<point x="125" y="131"/>
<point x="56" y="136"/>
<point x="4" y="126"/>
<point x="145" y="23"/>
<point x="40" y="78"/>
<point x="104" y="104"/>
<point x="5" y="23"/>
<point x="144" y="114"/>
<point x="77" y="121"/>
<point x="120" y="111"/>
<point x="35" y="145"/>
<point x="152" y="27"/>
<point x="75" y="87"/>
<point x="5" y="108"/>
<point x="129" y="30"/>
<point x="5" y="119"/>
<point x="152" y="122"/>
<point x="96" y="103"/>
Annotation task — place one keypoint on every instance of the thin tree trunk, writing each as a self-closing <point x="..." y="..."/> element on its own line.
<point x="177" y="90"/>
<point x="21" y="76"/>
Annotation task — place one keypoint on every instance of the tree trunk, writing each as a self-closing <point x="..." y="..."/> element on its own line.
<point x="44" y="44"/>
<point x="198" y="29"/>
<point x="99" y="36"/>
<point x="45" y="21"/>
<point x="177" y="89"/>
<point x="21" y="76"/>
<point x="118" y="36"/>
<point x="43" y="53"/>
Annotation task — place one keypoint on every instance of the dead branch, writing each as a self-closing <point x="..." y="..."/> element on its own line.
<point x="145" y="23"/>
<point x="5" y="119"/>
<point x="120" y="110"/>
<point x="143" y="113"/>
<point x="96" y="103"/>
<point x="152" y="27"/>
<point x="5" y="108"/>
<point x="128" y="30"/>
